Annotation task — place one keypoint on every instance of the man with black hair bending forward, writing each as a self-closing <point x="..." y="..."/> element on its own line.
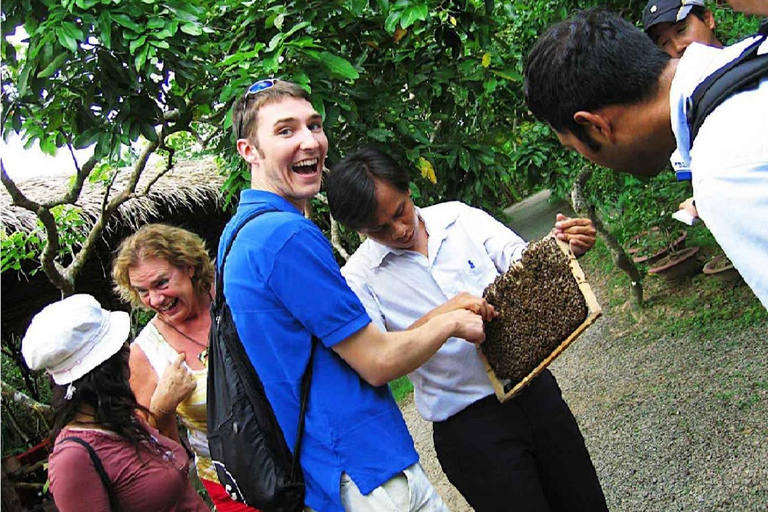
<point x="609" y="93"/>
<point x="525" y="455"/>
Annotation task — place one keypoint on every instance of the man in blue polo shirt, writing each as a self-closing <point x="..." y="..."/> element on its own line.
<point x="284" y="287"/>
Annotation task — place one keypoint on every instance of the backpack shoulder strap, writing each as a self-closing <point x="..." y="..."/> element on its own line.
<point x="114" y="504"/>
<point x="239" y="351"/>
<point x="740" y="74"/>
<point x="220" y="268"/>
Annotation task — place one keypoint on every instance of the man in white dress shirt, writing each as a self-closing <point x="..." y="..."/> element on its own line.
<point x="526" y="454"/>
<point x="609" y="93"/>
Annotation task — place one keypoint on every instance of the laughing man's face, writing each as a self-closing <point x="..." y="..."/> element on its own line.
<point x="291" y="149"/>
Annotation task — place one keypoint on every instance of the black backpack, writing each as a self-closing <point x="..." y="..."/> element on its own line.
<point x="248" y="449"/>
<point x="740" y="74"/>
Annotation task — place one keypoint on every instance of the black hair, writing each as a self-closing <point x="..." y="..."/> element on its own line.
<point x="106" y="390"/>
<point x="351" y="185"/>
<point x="591" y="60"/>
<point x="698" y="11"/>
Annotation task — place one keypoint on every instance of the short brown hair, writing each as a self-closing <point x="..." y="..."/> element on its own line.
<point x="245" y="110"/>
<point x="179" y="247"/>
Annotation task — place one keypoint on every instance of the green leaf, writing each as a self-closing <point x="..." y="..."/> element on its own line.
<point x="304" y="42"/>
<point x="380" y="134"/>
<point x="47" y="146"/>
<point x="167" y="32"/>
<point x="192" y="29"/>
<point x="105" y="27"/>
<point x="155" y="23"/>
<point x="390" y="24"/>
<point x="464" y="159"/>
<point x="414" y="13"/>
<point x="127" y="22"/>
<point x="24" y="78"/>
<point x="356" y="6"/>
<point x="296" y="28"/>
<point x="141" y="58"/>
<point x="338" y="65"/>
<point x="86" y="138"/>
<point x="136" y="44"/>
<point x="66" y="40"/>
<point x="86" y="4"/>
<point x="319" y="106"/>
<point x="148" y="131"/>
<point x="54" y="66"/>
<point x="182" y="11"/>
<point x="73" y="31"/>
<point x="271" y="62"/>
<point x="279" y="20"/>
<point x="276" y="40"/>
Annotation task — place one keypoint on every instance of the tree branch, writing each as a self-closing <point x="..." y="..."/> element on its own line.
<point x="620" y="258"/>
<point x="12" y="394"/>
<point x="335" y="233"/>
<point x="73" y="194"/>
<point x="94" y="235"/>
<point x="52" y="269"/>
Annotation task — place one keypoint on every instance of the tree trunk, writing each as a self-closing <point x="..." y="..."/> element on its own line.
<point x="620" y="258"/>
<point x="10" y="500"/>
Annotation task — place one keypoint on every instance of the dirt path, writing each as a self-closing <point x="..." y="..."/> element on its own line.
<point x="674" y="423"/>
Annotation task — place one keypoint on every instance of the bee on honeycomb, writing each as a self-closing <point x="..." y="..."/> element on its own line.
<point x="539" y="305"/>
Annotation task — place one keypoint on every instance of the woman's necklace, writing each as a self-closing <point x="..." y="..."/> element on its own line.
<point x="203" y="355"/>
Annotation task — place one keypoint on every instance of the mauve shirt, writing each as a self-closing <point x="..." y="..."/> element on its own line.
<point x="144" y="482"/>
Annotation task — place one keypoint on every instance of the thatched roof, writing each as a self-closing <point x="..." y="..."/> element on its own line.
<point x="188" y="196"/>
<point x="188" y="186"/>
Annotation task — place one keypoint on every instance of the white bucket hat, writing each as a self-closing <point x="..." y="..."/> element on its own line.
<point x="71" y="337"/>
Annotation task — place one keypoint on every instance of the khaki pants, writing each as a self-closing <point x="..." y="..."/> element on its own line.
<point x="409" y="491"/>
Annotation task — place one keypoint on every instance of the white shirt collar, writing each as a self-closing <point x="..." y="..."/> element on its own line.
<point x="436" y="226"/>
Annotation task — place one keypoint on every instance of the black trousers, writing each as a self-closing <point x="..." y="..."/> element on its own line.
<point x="526" y="455"/>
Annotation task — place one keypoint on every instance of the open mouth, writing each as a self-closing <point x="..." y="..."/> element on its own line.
<point x="169" y="306"/>
<point x="306" y="166"/>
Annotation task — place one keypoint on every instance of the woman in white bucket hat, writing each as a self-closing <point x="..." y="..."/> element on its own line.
<point x="105" y="457"/>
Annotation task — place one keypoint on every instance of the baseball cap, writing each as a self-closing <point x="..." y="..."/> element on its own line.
<point x="73" y="336"/>
<point x="667" y="11"/>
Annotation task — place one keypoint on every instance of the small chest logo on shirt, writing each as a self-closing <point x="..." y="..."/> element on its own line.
<point x="471" y="265"/>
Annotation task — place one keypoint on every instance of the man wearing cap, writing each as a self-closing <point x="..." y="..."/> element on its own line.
<point x="674" y="24"/>
<point x="285" y="291"/>
<point x="632" y="118"/>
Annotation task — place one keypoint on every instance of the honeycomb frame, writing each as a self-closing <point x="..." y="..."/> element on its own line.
<point x="506" y="390"/>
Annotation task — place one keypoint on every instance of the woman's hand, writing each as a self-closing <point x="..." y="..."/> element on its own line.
<point x="174" y="386"/>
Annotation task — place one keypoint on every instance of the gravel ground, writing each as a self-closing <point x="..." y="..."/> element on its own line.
<point x="672" y="424"/>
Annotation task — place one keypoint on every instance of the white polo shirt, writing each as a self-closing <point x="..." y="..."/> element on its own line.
<point x="728" y="161"/>
<point x="467" y="249"/>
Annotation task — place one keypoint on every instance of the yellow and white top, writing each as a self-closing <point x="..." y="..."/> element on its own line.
<point x="192" y="411"/>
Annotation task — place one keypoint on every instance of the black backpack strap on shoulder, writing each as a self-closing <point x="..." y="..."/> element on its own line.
<point x="305" y="382"/>
<point x="306" y="379"/>
<point x="740" y="74"/>
<point x="114" y="504"/>
<point x="220" y="274"/>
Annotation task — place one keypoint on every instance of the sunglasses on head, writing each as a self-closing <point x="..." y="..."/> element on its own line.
<point x="253" y="90"/>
